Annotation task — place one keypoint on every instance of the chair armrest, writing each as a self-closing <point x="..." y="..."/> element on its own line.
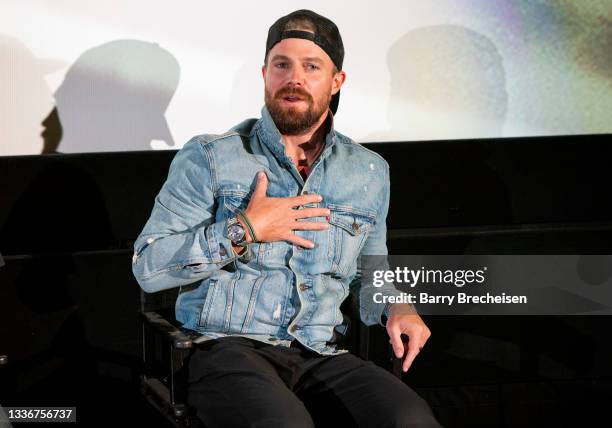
<point x="180" y="339"/>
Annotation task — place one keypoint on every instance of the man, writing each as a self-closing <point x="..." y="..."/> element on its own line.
<point x="262" y="228"/>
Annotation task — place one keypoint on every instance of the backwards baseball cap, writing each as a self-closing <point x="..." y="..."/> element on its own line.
<point x="305" y="24"/>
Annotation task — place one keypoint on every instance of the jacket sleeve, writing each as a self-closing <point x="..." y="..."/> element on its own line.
<point x="373" y="257"/>
<point x="181" y="243"/>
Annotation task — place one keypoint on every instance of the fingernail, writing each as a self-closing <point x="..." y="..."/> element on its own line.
<point x="260" y="174"/>
<point x="320" y="198"/>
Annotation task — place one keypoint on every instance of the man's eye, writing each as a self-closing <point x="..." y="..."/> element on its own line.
<point x="312" y="67"/>
<point x="281" y="65"/>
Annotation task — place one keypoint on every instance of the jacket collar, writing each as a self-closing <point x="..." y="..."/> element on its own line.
<point x="272" y="138"/>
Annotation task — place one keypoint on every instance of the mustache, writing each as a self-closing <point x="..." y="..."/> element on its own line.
<point x="286" y="92"/>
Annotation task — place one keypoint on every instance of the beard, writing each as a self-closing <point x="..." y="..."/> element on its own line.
<point x="290" y="120"/>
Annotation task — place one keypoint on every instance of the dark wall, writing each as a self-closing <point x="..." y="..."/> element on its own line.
<point x="68" y="302"/>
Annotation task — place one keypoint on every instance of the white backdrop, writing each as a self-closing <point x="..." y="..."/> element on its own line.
<point x="134" y="75"/>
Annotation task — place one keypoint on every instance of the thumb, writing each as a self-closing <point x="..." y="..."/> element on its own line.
<point x="261" y="187"/>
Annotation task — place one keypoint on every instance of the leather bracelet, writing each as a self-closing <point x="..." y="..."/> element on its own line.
<point x="249" y="225"/>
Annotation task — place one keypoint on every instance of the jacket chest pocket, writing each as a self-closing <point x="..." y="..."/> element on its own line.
<point x="229" y="202"/>
<point x="347" y="234"/>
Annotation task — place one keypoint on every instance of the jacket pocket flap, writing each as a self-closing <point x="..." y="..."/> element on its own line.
<point x="354" y="221"/>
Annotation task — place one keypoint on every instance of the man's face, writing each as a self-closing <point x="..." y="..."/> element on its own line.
<point x="300" y="80"/>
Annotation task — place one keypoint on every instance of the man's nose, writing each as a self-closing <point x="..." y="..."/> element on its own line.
<point x="296" y="76"/>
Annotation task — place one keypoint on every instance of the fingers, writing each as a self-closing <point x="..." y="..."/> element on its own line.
<point x="311" y="212"/>
<point x="261" y="187"/>
<point x="294" y="239"/>
<point x="309" y="225"/>
<point x="416" y="342"/>
<point x="417" y="334"/>
<point x="395" y="336"/>
<point x="413" y="351"/>
<point x="297" y="201"/>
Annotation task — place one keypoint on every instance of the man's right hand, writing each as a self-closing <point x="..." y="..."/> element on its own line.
<point x="275" y="219"/>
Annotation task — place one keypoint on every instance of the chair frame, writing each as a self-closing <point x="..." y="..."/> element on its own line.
<point x="165" y="387"/>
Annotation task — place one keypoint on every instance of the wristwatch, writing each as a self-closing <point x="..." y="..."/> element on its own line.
<point x="236" y="233"/>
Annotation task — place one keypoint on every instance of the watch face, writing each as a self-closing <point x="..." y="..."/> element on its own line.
<point x="235" y="233"/>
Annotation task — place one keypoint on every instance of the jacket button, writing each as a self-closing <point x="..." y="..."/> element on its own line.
<point x="355" y="226"/>
<point x="293" y="328"/>
<point x="302" y="286"/>
<point x="305" y="192"/>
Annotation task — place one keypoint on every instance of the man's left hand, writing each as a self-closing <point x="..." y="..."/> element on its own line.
<point x="403" y="319"/>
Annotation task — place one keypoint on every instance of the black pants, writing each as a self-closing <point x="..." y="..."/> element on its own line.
<point x="238" y="382"/>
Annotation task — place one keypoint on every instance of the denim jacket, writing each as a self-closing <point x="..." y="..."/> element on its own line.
<point x="274" y="291"/>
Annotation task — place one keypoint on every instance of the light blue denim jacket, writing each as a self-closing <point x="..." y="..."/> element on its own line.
<point x="275" y="291"/>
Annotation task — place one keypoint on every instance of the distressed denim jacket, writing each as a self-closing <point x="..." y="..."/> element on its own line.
<point x="275" y="291"/>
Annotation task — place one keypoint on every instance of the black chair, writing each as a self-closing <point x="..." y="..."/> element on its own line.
<point x="166" y="346"/>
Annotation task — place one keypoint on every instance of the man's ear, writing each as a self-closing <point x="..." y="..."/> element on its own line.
<point x="263" y="72"/>
<point x="338" y="81"/>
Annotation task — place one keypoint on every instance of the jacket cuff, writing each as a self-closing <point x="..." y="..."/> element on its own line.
<point x="384" y="310"/>
<point x="220" y="246"/>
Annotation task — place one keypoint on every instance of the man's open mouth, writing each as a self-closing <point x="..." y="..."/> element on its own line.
<point x="292" y="99"/>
